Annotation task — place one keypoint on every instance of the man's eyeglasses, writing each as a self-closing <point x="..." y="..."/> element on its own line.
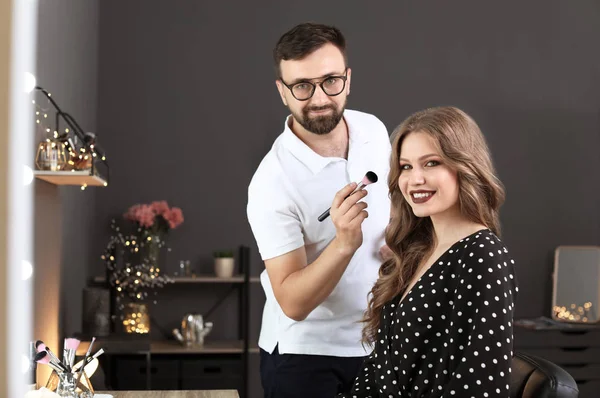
<point x="331" y="85"/>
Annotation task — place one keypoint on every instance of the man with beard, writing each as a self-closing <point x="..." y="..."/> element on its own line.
<point x="318" y="274"/>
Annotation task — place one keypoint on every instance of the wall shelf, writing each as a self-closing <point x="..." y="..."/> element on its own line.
<point x="78" y="143"/>
<point x="209" y="347"/>
<point x="81" y="178"/>
<point x="172" y="347"/>
<point x="198" y="279"/>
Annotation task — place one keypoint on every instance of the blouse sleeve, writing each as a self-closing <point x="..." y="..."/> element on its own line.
<point x="482" y="324"/>
<point x="364" y="386"/>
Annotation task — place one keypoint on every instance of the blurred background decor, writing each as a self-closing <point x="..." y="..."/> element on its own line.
<point x="133" y="257"/>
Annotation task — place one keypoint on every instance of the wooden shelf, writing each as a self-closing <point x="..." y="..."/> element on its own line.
<point x="169" y="347"/>
<point x="223" y="393"/>
<point x="70" y="178"/>
<point x="199" y="279"/>
<point x="209" y="347"/>
<point x="213" y="279"/>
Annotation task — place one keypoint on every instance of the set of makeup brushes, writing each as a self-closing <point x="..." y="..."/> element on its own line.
<point x="45" y="356"/>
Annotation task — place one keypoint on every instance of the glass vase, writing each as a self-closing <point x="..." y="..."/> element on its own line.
<point x="153" y="246"/>
<point x="136" y="318"/>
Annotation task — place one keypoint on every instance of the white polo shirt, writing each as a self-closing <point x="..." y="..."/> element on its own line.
<point x="292" y="186"/>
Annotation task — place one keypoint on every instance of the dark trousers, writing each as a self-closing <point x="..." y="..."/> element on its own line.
<point x="307" y="376"/>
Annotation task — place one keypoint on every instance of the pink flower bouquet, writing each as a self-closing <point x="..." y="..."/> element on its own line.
<point x="156" y="216"/>
<point x="133" y="259"/>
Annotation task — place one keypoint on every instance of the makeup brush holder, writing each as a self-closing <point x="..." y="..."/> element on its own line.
<point x="64" y="384"/>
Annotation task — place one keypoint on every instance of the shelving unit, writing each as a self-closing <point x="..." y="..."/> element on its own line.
<point x="149" y="364"/>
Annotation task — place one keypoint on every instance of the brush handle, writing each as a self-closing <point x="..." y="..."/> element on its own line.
<point x="72" y="357"/>
<point x="87" y="354"/>
<point x="89" y="360"/>
<point x="56" y="360"/>
<point x="68" y="356"/>
<point x="56" y="368"/>
<point x="325" y="214"/>
<point x="59" y="364"/>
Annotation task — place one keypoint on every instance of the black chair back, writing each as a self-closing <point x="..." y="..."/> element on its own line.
<point x="534" y="377"/>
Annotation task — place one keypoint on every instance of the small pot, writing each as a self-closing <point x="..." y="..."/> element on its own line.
<point x="224" y="267"/>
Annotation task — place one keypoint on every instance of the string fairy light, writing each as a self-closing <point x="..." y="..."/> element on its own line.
<point x="575" y="312"/>
<point x="131" y="260"/>
<point x="75" y="159"/>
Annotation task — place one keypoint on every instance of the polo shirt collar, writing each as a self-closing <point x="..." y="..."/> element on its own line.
<point x="310" y="158"/>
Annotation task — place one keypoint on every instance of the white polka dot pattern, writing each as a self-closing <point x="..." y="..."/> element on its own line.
<point x="452" y="334"/>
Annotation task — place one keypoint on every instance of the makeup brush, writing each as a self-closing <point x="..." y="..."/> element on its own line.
<point x="71" y="346"/>
<point x="44" y="358"/>
<point x="87" y="354"/>
<point x="42" y="347"/>
<point x="369" y="178"/>
<point x="88" y="361"/>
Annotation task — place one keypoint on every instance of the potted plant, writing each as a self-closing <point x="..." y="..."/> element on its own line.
<point x="224" y="263"/>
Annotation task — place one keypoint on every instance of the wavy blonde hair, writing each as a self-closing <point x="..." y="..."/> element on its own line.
<point x="411" y="239"/>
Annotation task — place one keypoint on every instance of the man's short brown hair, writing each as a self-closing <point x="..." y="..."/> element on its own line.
<point x="304" y="39"/>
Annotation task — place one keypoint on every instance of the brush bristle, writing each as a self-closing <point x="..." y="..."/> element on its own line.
<point x="45" y="360"/>
<point x="71" y="344"/>
<point x="42" y="357"/>
<point x="38" y="342"/>
<point x="369" y="178"/>
<point x="372" y="177"/>
<point x="41" y="347"/>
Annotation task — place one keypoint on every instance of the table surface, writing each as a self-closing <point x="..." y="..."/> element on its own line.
<point x="173" y="394"/>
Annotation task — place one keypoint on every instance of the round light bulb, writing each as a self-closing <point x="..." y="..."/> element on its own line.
<point x="27" y="175"/>
<point x="25" y="364"/>
<point x="29" y="82"/>
<point x="27" y="270"/>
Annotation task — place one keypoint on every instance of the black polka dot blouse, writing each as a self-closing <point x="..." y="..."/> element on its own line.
<point x="452" y="334"/>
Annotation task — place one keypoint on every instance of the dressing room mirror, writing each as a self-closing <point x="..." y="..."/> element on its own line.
<point x="576" y="290"/>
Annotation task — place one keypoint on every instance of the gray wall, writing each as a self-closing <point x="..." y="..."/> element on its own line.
<point x="67" y="68"/>
<point x="187" y="107"/>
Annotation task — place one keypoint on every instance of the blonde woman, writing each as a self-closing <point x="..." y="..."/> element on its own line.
<point x="440" y="315"/>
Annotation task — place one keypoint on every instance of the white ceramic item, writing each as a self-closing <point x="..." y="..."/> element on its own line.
<point x="224" y="267"/>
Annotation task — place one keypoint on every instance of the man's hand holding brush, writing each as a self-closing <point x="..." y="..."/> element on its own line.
<point x="348" y="213"/>
<point x="300" y="287"/>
